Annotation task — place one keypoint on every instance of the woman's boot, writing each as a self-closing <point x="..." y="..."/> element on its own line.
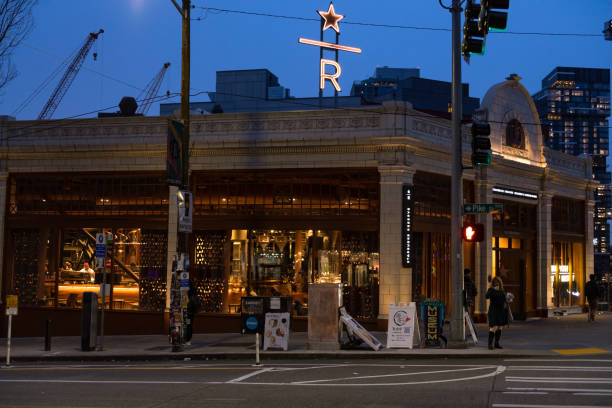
<point x="497" y="336"/>
<point x="491" y="334"/>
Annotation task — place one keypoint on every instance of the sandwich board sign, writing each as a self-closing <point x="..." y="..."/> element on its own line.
<point x="353" y="328"/>
<point x="276" y="331"/>
<point x="469" y="323"/>
<point x="402" y="325"/>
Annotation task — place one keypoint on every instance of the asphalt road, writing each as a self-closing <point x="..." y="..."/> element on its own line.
<point x="500" y="383"/>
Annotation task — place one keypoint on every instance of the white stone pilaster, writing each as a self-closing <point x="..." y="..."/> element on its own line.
<point x="544" y="288"/>
<point x="395" y="280"/>
<point x="589" y="205"/>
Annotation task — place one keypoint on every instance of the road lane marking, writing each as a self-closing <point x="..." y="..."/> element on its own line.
<point x="392" y="375"/>
<point x="561" y="389"/>
<point x="526" y="392"/>
<point x="498" y="370"/>
<point x="123" y="368"/>
<point x="557" y="368"/>
<point x="597" y="394"/>
<point x="578" y="380"/>
<point x="249" y="375"/>
<point x="96" y="381"/>
<point x="564" y="360"/>
<point x="225" y="399"/>
<point x="548" y="406"/>
<point x="580" y="351"/>
<point x="309" y="368"/>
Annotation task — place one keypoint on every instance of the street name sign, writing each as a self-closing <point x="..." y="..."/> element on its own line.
<point x="473" y="208"/>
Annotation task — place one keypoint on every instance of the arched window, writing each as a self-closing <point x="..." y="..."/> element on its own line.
<point x="515" y="136"/>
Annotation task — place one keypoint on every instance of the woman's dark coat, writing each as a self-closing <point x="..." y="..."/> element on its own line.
<point x="498" y="315"/>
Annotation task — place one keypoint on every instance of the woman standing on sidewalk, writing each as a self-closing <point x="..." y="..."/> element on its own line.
<point x="498" y="314"/>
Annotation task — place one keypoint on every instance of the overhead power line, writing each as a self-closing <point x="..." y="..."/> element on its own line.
<point x="397" y="26"/>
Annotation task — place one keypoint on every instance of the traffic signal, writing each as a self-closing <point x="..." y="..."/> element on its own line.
<point x="473" y="232"/>
<point x="608" y="30"/>
<point x="470" y="44"/>
<point x="489" y="20"/>
<point x="481" y="144"/>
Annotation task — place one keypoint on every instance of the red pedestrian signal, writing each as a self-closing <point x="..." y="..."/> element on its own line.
<point x="473" y="232"/>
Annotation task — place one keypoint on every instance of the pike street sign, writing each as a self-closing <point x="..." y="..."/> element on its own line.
<point x="482" y="208"/>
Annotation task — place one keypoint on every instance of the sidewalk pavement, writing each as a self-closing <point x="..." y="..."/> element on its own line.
<point x="568" y="335"/>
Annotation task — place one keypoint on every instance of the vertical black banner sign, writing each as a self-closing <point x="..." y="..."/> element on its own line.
<point x="407" y="213"/>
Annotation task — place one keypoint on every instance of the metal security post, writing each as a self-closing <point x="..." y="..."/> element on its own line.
<point x="12" y="304"/>
<point x="8" y="341"/>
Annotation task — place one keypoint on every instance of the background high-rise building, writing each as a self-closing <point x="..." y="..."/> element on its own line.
<point x="405" y="84"/>
<point x="574" y="105"/>
<point x="259" y="90"/>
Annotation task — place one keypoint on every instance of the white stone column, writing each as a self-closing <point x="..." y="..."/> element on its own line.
<point x="3" y="199"/>
<point x="483" y="265"/>
<point x="589" y="255"/>
<point x="544" y="288"/>
<point x="395" y="280"/>
<point x="172" y="238"/>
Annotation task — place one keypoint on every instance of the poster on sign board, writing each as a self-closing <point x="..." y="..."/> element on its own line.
<point x="432" y="315"/>
<point x="276" y="331"/>
<point x="402" y="325"/>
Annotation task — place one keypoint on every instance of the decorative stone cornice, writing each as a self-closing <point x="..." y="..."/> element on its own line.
<point x="515" y="152"/>
<point x="564" y="162"/>
<point x="201" y="128"/>
<point x="271" y="150"/>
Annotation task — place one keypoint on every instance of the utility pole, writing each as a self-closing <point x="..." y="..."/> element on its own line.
<point x="457" y="324"/>
<point x="182" y="237"/>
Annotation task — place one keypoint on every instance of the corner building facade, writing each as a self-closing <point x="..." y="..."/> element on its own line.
<point x="282" y="200"/>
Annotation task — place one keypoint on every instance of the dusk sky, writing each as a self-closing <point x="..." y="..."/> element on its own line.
<point x="140" y="35"/>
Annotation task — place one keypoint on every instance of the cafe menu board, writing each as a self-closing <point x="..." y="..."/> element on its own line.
<point x="432" y="314"/>
<point x="276" y="332"/>
<point x="402" y="325"/>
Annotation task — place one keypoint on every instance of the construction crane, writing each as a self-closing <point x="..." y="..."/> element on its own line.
<point x="69" y="75"/>
<point x="150" y="92"/>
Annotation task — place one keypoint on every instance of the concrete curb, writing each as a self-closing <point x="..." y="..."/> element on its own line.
<point x="314" y="355"/>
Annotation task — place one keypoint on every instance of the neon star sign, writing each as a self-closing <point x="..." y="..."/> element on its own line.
<point x="329" y="19"/>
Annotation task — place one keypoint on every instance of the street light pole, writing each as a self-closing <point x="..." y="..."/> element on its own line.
<point x="457" y="324"/>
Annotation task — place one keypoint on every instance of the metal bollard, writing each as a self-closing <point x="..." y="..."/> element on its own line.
<point x="48" y="335"/>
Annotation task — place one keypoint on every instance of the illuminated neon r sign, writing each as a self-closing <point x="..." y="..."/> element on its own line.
<point x="331" y="20"/>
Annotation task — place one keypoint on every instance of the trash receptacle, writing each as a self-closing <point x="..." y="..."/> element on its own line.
<point x="89" y="321"/>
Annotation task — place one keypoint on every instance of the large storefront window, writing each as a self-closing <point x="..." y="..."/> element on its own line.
<point x="268" y="262"/>
<point x="567" y="273"/>
<point x="52" y="222"/>
<point x="53" y="268"/>
<point x="567" y="270"/>
<point x="263" y="233"/>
